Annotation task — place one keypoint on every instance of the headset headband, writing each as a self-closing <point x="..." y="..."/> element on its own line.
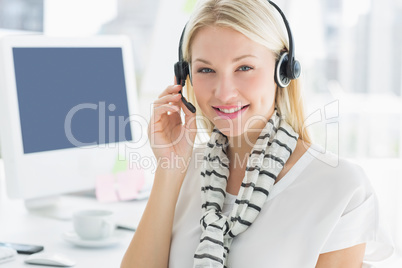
<point x="290" y="37"/>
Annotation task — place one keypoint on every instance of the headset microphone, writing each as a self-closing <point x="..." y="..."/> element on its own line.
<point x="188" y="105"/>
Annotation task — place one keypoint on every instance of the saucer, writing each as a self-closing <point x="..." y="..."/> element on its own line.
<point x="73" y="238"/>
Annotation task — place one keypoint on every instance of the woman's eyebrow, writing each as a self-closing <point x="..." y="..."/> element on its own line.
<point x="234" y="60"/>
<point x="242" y="57"/>
<point x="203" y="61"/>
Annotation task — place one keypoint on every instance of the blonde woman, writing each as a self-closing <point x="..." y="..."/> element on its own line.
<point x="253" y="195"/>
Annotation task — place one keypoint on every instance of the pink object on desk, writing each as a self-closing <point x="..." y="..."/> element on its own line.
<point x="123" y="185"/>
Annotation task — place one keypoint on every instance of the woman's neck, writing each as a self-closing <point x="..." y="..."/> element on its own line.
<point x="240" y="148"/>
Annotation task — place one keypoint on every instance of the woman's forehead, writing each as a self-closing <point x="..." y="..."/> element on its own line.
<point x="216" y="42"/>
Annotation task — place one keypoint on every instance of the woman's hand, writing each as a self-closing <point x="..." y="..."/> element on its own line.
<point x="170" y="139"/>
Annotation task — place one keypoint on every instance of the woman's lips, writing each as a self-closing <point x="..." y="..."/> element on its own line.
<point x="229" y="115"/>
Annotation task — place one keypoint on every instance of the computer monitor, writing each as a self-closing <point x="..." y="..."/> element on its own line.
<point x="66" y="109"/>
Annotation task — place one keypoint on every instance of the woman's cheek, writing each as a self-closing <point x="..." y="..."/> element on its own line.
<point x="201" y="98"/>
<point x="202" y="91"/>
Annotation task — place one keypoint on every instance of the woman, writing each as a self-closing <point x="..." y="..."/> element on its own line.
<point x="265" y="200"/>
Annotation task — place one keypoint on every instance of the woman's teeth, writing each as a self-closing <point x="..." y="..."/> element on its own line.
<point x="230" y="111"/>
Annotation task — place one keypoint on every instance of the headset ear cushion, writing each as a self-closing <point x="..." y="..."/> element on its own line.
<point x="178" y="72"/>
<point x="181" y="71"/>
<point x="281" y="78"/>
<point x="296" y="69"/>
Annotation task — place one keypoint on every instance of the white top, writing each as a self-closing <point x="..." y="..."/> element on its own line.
<point x="315" y="208"/>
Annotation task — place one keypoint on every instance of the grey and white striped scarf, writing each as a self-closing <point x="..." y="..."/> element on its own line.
<point x="268" y="156"/>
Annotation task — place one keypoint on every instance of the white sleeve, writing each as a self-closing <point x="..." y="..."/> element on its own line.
<point x="360" y="223"/>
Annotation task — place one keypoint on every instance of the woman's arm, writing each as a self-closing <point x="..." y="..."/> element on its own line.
<point x="171" y="142"/>
<point x="151" y="243"/>
<point x="345" y="258"/>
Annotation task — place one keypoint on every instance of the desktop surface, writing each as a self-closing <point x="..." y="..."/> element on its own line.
<point x="17" y="225"/>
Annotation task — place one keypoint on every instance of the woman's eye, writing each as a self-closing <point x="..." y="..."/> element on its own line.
<point x="205" y="70"/>
<point x="245" y="68"/>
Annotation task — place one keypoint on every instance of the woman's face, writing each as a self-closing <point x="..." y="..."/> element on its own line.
<point x="233" y="80"/>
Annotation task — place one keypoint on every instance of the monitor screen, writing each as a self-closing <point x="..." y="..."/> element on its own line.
<point x="66" y="94"/>
<point x="66" y="111"/>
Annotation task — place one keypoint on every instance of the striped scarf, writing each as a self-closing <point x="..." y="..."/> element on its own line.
<point x="268" y="156"/>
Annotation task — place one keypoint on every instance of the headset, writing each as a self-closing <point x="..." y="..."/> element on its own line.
<point x="287" y="67"/>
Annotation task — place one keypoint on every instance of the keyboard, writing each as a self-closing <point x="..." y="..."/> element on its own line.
<point x="7" y="254"/>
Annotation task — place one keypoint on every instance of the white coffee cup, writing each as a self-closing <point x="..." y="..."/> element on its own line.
<point x="94" y="224"/>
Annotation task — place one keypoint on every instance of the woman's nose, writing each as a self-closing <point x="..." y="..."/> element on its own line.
<point x="225" y="89"/>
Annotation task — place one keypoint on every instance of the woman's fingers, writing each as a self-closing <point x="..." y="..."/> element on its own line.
<point x="163" y="109"/>
<point x="161" y="122"/>
<point x="167" y="99"/>
<point x="171" y="90"/>
<point x="166" y="112"/>
<point x="190" y="117"/>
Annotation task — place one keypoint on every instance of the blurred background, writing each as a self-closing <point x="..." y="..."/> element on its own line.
<point x="351" y="53"/>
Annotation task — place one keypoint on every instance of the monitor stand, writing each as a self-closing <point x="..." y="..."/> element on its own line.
<point x="56" y="207"/>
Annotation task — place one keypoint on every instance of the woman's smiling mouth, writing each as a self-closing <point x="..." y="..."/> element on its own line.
<point x="230" y="112"/>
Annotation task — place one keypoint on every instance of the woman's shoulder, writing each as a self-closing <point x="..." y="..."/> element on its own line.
<point x="335" y="173"/>
<point x="317" y="165"/>
<point x="336" y="166"/>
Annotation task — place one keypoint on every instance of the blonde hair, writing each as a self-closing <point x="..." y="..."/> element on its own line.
<point x="260" y="22"/>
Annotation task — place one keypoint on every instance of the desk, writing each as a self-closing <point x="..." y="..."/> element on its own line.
<point x="20" y="226"/>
